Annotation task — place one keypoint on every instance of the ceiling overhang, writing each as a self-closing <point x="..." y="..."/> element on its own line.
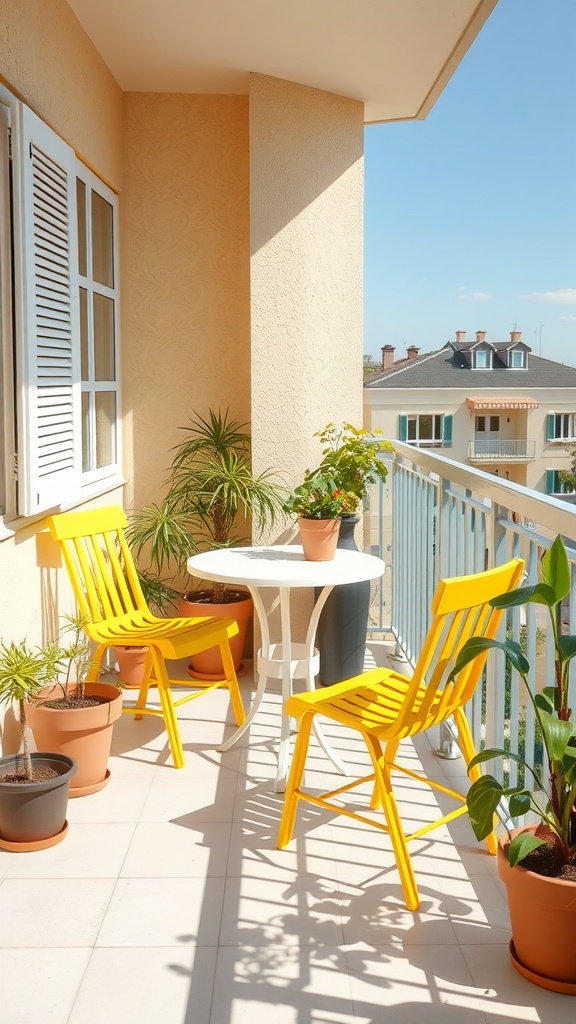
<point x="395" y="56"/>
<point x="477" y="404"/>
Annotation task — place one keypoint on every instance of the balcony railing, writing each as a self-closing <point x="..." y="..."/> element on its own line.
<point x="517" y="449"/>
<point x="435" y="518"/>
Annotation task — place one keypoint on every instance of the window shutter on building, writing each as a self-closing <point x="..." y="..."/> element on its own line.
<point x="47" y="308"/>
<point x="550" y="427"/>
<point x="447" y="435"/>
<point x="402" y="428"/>
<point x="550" y="474"/>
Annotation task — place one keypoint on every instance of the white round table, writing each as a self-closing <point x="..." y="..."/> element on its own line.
<point x="284" y="568"/>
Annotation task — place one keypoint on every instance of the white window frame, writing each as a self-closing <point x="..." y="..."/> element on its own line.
<point x="567" y="420"/>
<point x="520" y="365"/>
<point x="42" y="274"/>
<point x="433" y="442"/>
<point x="483" y="352"/>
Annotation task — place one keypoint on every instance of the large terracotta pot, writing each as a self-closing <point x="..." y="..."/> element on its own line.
<point x="208" y="664"/>
<point x="33" y="814"/>
<point x="543" y="919"/>
<point x="82" y="733"/>
<point x="319" y="538"/>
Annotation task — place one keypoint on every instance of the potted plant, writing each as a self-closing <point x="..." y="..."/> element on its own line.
<point x="537" y="863"/>
<point x="74" y="717"/>
<point x="352" y="456"/>
<point x="34" y="787"/>
<point x="212" y="487"/>
<point x="319" y="504"/>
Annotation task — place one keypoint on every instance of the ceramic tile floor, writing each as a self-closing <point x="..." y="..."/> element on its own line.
<point x="169" y="901"/>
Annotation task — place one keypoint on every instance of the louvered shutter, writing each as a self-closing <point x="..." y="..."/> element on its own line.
<point x="550" y="475"/>
<point x="49" y="424"/>
<point x="447" y="431"/>
<point x="402" y="428"/>
<point x="550" y="426"/>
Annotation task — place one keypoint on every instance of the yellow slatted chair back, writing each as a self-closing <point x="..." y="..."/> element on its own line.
<point x="385" y="707"/>
<point x="110" y="600"/>
<point x="99" y="564"/>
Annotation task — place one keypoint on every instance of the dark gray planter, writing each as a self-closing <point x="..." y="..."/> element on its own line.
<point x="34" y="811"/>
<point x="341" y="635"/>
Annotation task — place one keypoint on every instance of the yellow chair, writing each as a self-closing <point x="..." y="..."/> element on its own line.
<point x="110" y="598"/>
<point x="386" y="707"/>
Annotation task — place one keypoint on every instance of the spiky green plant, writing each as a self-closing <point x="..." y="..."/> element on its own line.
<point x="24" y="672"/>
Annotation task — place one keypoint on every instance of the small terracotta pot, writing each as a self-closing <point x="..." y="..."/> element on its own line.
<point x="543" y="919"/>
<point x="131" y="665"/>
<point x="208" y="664"/>
<point x="319" y="538"/>
<point x="84" y="734"/>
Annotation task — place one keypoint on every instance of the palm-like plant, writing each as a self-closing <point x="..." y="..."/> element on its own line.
<point x="24" y="672"/>
<point x="211" y="488"/>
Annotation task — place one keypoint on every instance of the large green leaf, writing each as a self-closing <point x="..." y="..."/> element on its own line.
<point x="557" y="735"/>
<point x="477" y="645"/>
<point x="538" y="593"/>
<point x="555" y="570"/>
<point x="520" y="846"/>
<point x="518" y="802"/>
<point x="566" y="646"/>
<point x="483" y="798"/>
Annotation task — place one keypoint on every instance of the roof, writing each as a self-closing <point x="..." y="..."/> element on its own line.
<point x="444" y="368"/>
<point x="396" y="58"/>
<point x="499" y="402"/>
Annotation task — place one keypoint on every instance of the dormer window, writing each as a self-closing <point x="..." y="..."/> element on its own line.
<point x="517" y="359"/>
<point x="482" y="359"/>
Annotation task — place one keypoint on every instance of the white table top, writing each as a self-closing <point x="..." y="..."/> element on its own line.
<point x="283" y="566"/>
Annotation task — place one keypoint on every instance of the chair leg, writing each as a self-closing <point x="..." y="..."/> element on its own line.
<point x="383" y="771"/>
<point x="93" y="673"/>
<point x="294" y="781"/>
<point x="232" y="682"/>
<point x="466" y="744"/>
<point x="143" y="691"/>
<point x="168" y="709"/>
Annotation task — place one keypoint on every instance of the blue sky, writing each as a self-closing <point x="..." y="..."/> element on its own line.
<point x="470" y="215"/>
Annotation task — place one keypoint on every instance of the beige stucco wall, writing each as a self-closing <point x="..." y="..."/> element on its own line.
<point x="48" y="61"/>
<point x="306" y="189"/>
<point x="382" y="407"/>
<point x="185" y="273"/>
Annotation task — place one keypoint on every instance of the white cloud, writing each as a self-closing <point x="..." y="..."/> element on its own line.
<point x="562" y="297"/>
<point x="474" y="297"/>
<point x="568" y="319"/>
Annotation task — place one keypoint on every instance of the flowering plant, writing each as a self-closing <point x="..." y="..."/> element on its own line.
<point x="319" y="498"/>
<point x="351" y="458"/>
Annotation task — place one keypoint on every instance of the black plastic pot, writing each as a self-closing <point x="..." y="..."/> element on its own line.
<point x="34" y="811"/>
<point x="341" y="635"/>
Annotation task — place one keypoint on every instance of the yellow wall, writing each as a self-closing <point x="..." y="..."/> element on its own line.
<point x="185" y="273"/>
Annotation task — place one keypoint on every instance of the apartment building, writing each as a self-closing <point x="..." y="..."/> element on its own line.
<point x="494" y="405"/>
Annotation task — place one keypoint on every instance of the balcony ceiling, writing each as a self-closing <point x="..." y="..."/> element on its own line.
<point x="394" y="55"/>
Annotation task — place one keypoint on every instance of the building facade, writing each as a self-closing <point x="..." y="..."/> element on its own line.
<point x="493" y="405"/>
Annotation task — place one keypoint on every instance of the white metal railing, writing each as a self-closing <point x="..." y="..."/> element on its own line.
<point x="513" y="449"/>
<point x="435" y="518"/>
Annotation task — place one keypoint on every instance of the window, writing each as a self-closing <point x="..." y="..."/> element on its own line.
<point x="480" y="424"/>
<point x="482" y="359"/>
<point x="432" y="430"/>
<point x="518" y="359"/>
<point x="561" y="426"/>
<point x="62" y="400"/>
<point x="555" y="485"/>
<point x="494" y="424"/>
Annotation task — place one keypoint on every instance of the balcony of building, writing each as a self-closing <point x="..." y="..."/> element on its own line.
<point x="178" y="905"/>
<point x="516" y="449"/>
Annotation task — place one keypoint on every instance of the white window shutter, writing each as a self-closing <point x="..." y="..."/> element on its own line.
<point x="48" y="363"/>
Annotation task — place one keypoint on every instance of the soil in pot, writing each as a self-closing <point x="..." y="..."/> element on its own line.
<point x="80" y="728"/>
<point x="237" y="605"/>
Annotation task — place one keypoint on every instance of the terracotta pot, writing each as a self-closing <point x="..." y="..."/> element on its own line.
<point x="33" y="814"/>
<point x="543" y="919"/>
<point x="82" y="733"/>
<point x="208" y="664"/>
<point x="131" y="664"/>
<point x="319" y="538"/>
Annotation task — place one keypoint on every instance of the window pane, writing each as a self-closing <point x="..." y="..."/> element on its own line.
<point x="425" y="428"/>
<point x="437" y="428"/>
<point x="102" y="241"/>
<point x="84" y="364"/>
<point x="85" y="433"/>
<point x="81" y="207"/>
<point x="411" y="429"/>
<point x="104" y="368"/>
<point x="481" y="359"/>
<point x="105" y="420"/>
<point x="494" y="423"/>
<point x="480" y="424"/>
